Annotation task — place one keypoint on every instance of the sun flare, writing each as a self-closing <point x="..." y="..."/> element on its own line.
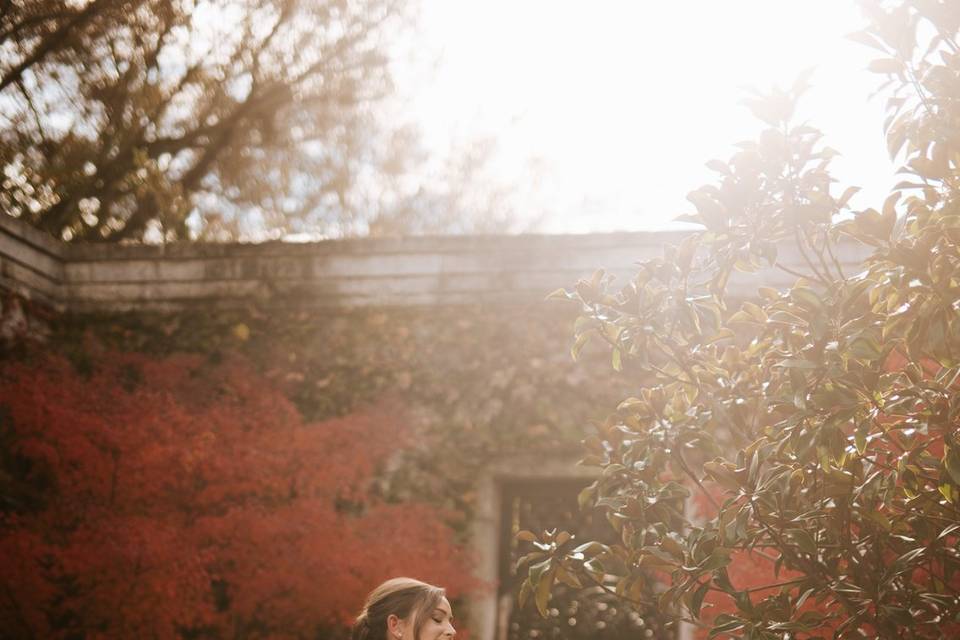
<point x="621" y="103"/>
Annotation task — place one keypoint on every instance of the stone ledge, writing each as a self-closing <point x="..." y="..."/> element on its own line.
<point x="31" y="236"/>
<point x="416" y="271"/>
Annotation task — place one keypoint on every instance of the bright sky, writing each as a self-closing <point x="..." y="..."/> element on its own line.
<point x="622" y="103"/>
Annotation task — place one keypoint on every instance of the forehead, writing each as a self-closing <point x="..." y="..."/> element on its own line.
<point x="444" y="605"/>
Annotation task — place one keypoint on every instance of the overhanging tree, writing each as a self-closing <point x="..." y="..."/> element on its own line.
<point x="816" y="426"/>
<point x="209" y="118"/>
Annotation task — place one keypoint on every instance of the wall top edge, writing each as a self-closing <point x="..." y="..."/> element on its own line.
<point x="368" y="246"/>
<point x="33" y="237"/>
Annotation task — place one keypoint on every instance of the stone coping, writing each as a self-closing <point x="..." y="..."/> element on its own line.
<point x="409" y="271"/>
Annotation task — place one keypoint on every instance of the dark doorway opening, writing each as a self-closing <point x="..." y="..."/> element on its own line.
<point x="574" y="614"/>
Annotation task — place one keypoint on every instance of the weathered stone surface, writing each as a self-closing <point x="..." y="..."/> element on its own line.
<point x="30" y="262"/>
<point x="343" y="273"/>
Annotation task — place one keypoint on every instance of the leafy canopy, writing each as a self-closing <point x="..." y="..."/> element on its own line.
<point x="175" y="120"/>
<point x="817" y="426"/>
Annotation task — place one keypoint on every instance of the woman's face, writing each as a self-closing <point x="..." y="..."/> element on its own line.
<point x="438" y="625"/>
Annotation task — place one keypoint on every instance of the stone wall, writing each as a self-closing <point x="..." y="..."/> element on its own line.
<point x="31" y="262"/>
<point x="337" y="324"/>
<point x="336" y="273"/>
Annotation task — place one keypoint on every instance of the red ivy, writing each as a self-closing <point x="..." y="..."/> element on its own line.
<point x="175" y="497"/>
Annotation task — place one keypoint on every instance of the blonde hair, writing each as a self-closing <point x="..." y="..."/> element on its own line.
<point x="400" y="597"/>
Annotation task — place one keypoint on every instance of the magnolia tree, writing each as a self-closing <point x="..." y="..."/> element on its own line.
<point x="791" y="465"/>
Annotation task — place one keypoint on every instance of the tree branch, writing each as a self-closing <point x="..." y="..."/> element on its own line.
<point x="50" y="43"/>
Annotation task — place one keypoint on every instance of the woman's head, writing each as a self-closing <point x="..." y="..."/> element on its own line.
<point x="405" y="609"/>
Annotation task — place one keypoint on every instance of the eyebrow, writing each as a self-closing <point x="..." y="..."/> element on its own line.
<point x="444" y="612"/>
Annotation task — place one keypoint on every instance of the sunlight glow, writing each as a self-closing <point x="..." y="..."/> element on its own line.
<point x="622" y="103"/>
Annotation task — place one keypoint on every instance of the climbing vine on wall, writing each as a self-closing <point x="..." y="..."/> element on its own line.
<point x="232" y="458"/>
<point x="476" y="383"/>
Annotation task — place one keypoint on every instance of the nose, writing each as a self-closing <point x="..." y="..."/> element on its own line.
<point x="451" y="632"/>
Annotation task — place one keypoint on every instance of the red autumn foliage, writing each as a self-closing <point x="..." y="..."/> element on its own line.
<point x="176" y="497"/>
